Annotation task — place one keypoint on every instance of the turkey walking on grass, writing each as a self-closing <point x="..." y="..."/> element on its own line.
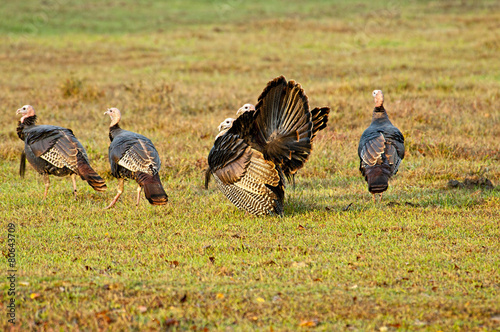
<point x="134" y="156"/>
<point x="253" y="154"/>
<point x="381" y="149"/>
<point x="55" y="151"/>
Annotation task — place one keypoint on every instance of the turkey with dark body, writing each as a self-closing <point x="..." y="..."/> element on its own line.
<point x="53" y="150"/>
<point x="381" y="149"/>
<point x="254" y="154"/>
<point x="134" y="156"/>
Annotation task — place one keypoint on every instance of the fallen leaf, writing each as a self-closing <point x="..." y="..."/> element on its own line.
<point x="34" y="295"/>
<point x="301" y="228"/>
<point x="219" y="296"/>
<point x="260" y="300"/>
<point x="309" y="323"/>
<point x="142" y="309"/>
<point x="171" y="322"/>
<point x="183" y="299"/>
<point x="212" y="259"/>
<point x="456" y="267"/>
<point x="103" y="315"/>
<point x="271" y="262"/>
<point x="173" y="263"/>
<point x="395" y="325"/>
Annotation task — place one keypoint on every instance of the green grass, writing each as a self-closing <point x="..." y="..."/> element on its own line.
<point x="426" y="259"/>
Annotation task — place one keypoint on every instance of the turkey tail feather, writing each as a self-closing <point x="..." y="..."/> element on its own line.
<point x="319" y="119"/>
<point x="208" y="175"/>
<point x="378" y="177"/>
<point x="153" y="189"/>
<point x="88" y="174"/>
<point x="284" y="121"/>
<point x="22" y="165"/>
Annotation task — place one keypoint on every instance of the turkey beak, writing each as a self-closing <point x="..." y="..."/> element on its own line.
<point x="20" y="111"/>
<point x="107" y="112"/>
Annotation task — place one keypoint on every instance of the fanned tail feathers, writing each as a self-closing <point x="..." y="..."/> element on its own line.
<point x="285" y="123"/>
<point x="88" y="174"/>
<point x="153" y="189"/>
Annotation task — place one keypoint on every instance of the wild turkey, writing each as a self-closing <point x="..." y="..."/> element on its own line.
<point x="381" y="149"/>
<point x="55" y="151"/>
<point x="254" y="153"/>
<point x="134" y="156"/>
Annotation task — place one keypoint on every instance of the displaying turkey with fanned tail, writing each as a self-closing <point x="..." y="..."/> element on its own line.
<point x="55" y="151"/>
<point x="134" y="156"/>
<point x="381" y="149"/>
<point x="253" y="154"/>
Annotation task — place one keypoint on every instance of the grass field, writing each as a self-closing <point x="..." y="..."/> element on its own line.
<point x="427" y="258"/>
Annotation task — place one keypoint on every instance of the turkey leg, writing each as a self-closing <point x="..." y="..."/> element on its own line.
<point x="46" y="181"/>
<point x="120" y="190"/>
<point x="139" y="189"/>
<point x="73" y="179"/>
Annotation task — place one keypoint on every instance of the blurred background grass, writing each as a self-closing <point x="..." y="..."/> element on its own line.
<point x="176" y="69"/>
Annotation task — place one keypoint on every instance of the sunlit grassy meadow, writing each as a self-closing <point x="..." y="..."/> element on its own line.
<point x="427" y="258"/>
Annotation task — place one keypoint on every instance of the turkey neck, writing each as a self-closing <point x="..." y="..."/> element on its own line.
<point x="113" y="131"/>
<point x="28" y="122"/>
<point x="379" y="114"/>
